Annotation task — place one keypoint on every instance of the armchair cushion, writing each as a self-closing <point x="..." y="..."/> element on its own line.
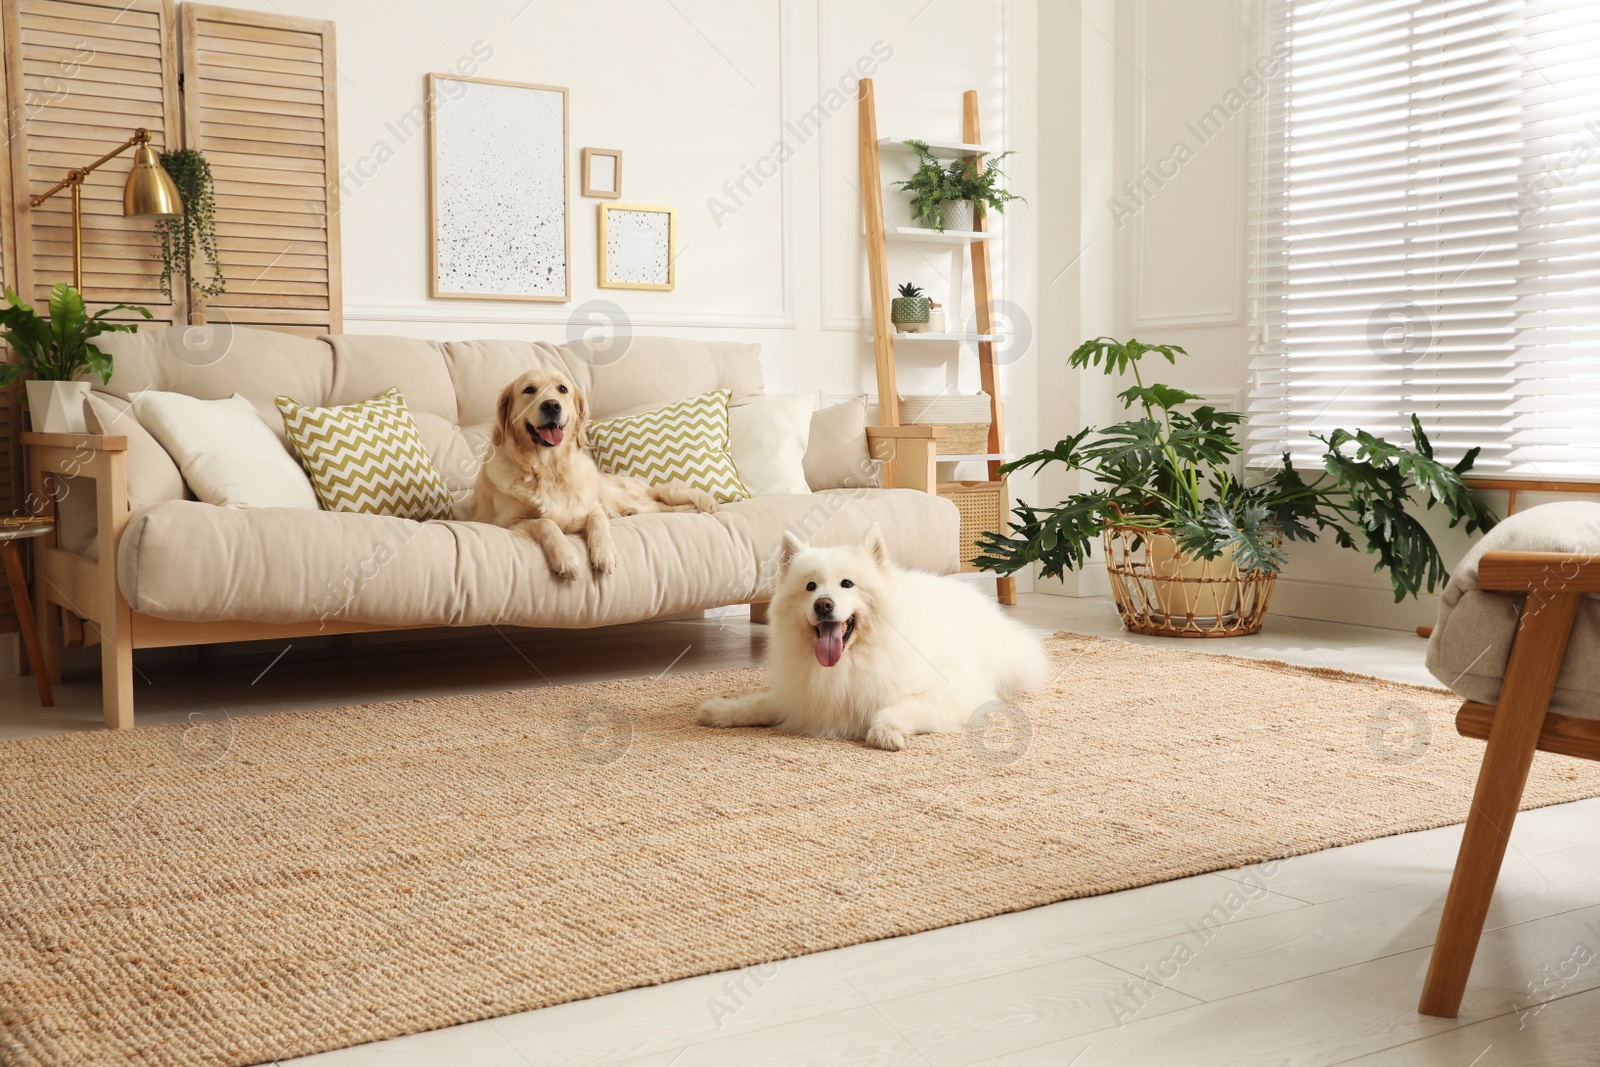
<point x="1471" y="642"/>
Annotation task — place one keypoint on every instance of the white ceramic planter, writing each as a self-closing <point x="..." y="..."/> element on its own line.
<point x="957" y="214"/>
<point x="57" y="407"/>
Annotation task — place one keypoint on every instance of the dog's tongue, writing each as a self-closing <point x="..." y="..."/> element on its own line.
<point x="830" y="643"/>
<point x="550" y="435"/>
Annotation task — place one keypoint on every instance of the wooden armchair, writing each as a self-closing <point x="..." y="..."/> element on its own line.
<point x="1516" y="726"/>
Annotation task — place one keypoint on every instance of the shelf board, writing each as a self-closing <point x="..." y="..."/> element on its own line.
<point x="974" y="338"/>
<point x="939" y="149"/>
<point x="978" y="457"/>
<point x="929" y="236"/>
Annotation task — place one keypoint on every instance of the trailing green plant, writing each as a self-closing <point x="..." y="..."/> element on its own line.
<point x="195" y="231"/>
<point x="933" y="183"/>
<point x="60" y="347"/>
<point x="1170" y="468"/>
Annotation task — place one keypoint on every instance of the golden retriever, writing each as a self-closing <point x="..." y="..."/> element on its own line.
<point x="541" y="482"/>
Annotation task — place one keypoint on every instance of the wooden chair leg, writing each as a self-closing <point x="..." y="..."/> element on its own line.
<point x="1530" y="680"/>
<point x="25" y="619"/>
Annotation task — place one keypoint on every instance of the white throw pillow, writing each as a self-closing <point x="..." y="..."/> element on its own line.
<point x="228" y="455"/>
<point x="768" y="440"/>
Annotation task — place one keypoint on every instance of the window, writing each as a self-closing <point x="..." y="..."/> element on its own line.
<point x="1426" y="229"/>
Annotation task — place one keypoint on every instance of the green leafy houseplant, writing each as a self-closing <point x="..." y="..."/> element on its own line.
<point x="1168" y="469"/>
<point x="932" y="184"/>
<point x="193" y="232"/>
<point x="60" y="347"/>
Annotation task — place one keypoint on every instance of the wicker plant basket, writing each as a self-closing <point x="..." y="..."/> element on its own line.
<point x="982" y="506"/>
<point x="1161" y="592"/>
<point x="966" y="418"/>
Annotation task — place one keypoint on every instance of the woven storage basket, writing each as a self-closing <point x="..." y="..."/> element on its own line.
<point x="983" y="508"/>
<point x="966" y="417"/>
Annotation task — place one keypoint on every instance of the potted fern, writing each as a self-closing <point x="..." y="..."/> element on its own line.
<point x="952" y="197"/>
<point x="909" y="311"/>
<point x="1193" y="547"/>
<point x="56" y="351"/>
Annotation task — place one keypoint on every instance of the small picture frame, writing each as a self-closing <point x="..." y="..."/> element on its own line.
<point x="602" y="173"/>
<point x="638" y="243"/>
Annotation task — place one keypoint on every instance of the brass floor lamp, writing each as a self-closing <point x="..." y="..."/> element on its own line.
<point x="150" y="193"/>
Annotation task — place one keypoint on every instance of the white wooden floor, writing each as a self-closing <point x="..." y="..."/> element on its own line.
<point x="1315" y="960"/>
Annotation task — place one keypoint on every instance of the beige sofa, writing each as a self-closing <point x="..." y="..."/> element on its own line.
<point x="166" y="570"/>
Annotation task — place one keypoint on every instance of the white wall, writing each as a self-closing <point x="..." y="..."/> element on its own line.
<point x="1163" y="195"/>
<point x="698" y="95"/>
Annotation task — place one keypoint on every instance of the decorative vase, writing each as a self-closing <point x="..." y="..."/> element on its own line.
<point x="909" y="313"/>
<point x="57" y="407"/>
<point x="957" y="214"/>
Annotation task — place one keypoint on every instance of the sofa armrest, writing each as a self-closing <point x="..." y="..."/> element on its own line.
<point x="92" y="441"/>
<point x="87" y="588"/>
<point x="909" y="455"/>
<point x="1539" y="572"/>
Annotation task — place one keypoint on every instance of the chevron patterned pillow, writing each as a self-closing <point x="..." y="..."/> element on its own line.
<point x="367" y="457"/>
<point x="684" y="442"/>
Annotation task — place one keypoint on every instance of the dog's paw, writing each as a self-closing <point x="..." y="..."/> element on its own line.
<point x="715" y="712"/>
<point x="704" y="502"/>
<point x="603" y="558"/>
<point x="566" y="562"/>
<point x="882" y="735"/>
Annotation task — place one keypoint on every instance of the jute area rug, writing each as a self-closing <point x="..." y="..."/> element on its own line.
<point x="239" y="892"/>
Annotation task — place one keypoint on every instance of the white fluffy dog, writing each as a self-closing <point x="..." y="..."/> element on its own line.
<point x="862" y="649"/>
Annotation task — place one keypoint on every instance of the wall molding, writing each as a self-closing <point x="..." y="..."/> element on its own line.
<point x="533" y="315"/>
<point x="1234" y="313"/>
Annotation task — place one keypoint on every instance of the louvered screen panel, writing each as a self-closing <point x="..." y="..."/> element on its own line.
<point x="260" y="102"/>
<point x="81" y="75"/>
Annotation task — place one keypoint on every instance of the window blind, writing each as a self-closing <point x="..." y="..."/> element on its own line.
<point x="1425" y="229"/>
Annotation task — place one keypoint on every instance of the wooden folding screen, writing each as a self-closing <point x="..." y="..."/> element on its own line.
<point x="81" y="75"/>
<point x="260" y="101"/>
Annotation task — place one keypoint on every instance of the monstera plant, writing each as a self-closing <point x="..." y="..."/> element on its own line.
<point x="1169" y="471"/>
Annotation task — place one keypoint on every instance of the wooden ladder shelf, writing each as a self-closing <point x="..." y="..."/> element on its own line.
<point x="883" y="339"/>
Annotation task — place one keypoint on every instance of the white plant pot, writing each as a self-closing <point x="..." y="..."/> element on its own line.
<point x="57" y="407"/>
<point x="957" y="214"/>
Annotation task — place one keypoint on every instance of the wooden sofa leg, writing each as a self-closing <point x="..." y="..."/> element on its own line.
<point x="759" y="610"/>
<point x="1530" y="680"/>
<point x="1005" y="590"/>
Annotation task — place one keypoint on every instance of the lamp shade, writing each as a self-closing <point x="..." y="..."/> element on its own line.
<point x="150" y="189"/>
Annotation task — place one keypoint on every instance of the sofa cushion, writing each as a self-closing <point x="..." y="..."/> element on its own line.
<point x="837" y="453"/>
<point x="653" y="371"/>
<point x="768" y="442"/>
<point x="192" y="561"/>
<point x="367" y="457"/>
<point x="1472" y="639"/>
<point x="685" y="442"/>
<point x="152" y="475"/>
<point x="228" y="455"/>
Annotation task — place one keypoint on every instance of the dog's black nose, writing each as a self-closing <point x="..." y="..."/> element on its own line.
<point x="551" y="408"/>
<point x="823" y="606"/>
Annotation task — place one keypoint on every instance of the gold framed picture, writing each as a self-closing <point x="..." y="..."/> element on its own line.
<point x="602" y="173"/>
<point x="638" y="243"/>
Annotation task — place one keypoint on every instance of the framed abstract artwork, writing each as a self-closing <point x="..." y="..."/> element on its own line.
<point x="497" y="202"/>
<point x="637" y="246"/>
